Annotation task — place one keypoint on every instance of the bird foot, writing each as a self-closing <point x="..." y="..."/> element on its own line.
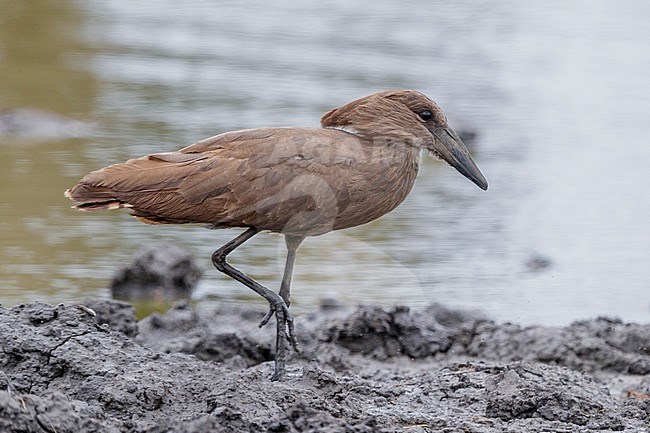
<point x="285" y="319"/>
<point x="278" y="375"/>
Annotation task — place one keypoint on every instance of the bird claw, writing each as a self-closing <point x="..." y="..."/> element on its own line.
<point x="287" y="318"/>
<point x="267" y="317"/>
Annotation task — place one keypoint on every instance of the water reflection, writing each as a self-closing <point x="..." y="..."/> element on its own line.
<point x="556" y="93"/>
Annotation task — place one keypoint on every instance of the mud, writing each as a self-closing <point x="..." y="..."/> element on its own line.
<point x="366" y="369"/>
<point x="158" y="272"/>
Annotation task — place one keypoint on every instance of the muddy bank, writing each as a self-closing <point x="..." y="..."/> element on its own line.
<point x="361" y="370"/>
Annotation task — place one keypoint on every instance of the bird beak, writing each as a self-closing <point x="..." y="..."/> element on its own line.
<point x="450" y="147"/>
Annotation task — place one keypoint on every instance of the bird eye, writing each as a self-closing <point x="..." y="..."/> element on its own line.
<point x="426" y="115"/>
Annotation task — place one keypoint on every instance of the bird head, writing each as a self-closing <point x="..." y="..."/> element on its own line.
<point x="409" y="117"/>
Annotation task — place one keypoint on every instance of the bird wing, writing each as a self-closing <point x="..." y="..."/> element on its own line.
<point x="270" y="178"/>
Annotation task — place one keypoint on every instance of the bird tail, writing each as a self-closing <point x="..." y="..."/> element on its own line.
<point x="111" y="187"/>
<point x="133" y="183"/>
<point x="90" y="198"/>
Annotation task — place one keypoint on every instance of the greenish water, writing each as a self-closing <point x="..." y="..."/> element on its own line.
<point x="557" y="94"/>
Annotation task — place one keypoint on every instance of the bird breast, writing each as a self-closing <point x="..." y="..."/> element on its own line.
<point x="377" y="185"/>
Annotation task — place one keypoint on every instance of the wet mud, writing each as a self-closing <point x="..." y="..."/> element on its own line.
<point x="94" y="368"/>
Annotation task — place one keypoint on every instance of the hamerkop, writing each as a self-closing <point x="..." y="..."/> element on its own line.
<point x="300" y="182"/>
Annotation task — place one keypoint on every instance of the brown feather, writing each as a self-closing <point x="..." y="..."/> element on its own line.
<point x="299" y="181"/>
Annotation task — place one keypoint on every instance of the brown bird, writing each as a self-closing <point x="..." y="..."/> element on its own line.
<point x="300" y="182"/>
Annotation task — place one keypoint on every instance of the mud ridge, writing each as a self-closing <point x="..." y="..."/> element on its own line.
<point x="364" y="369"/>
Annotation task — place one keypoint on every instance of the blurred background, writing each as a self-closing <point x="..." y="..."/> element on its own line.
<point x="556" y="93"/>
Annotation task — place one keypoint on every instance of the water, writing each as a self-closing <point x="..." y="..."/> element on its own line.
<point x="556" y="92"/>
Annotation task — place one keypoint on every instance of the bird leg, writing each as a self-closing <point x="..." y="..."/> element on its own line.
<point x="293" y="242"/>
<point x="284" y="319"/>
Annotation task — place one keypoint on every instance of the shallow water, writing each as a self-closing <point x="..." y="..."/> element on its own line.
<point x="558" y="96"/>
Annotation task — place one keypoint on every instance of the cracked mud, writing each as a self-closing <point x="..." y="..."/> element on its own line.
<point x="364" y="369"/>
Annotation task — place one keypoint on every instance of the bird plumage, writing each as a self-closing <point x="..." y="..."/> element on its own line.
<point x="303" y="181"/>
<point x="360" y="164"/>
